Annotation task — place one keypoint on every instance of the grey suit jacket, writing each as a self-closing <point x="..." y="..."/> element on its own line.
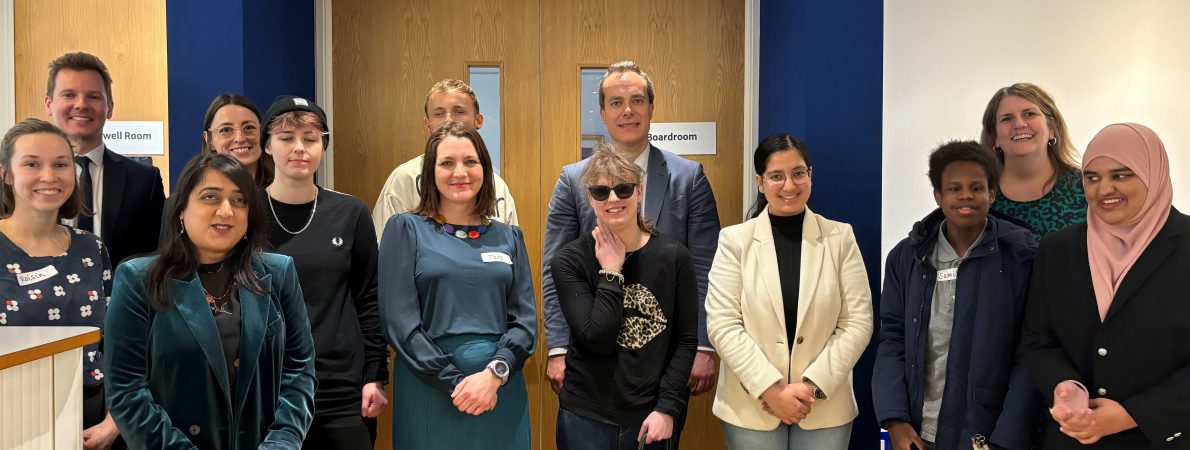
<point x="678" y="201"/>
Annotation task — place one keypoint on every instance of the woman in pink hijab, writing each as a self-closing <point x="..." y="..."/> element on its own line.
<point x="1107" y="333"/>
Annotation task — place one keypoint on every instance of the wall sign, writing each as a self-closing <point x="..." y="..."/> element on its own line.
<point x="684" y="138"/>
<point x="135" y="137"/>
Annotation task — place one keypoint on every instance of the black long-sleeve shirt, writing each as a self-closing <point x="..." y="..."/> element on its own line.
<point x="787" y="241"/>
<point x="336" y="259"/>
<point x="631" y="345"/>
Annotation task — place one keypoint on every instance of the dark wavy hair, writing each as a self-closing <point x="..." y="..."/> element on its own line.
<point x="771" y="145"/>
<point x="178" y="258"/>
<point x="264" y="166"/>
<point x="485" y="200"/>
<point x="74" y="204"/>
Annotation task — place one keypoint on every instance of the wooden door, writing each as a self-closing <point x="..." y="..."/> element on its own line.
<point x="386" y="56"/>
<point x="45" y="29"/>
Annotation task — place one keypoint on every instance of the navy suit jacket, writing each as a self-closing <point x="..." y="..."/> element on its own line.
<point x="133" y="199"/>
<point x="678" y="201"/>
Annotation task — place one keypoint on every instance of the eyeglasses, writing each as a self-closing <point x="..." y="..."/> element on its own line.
<point x="622" y="190"/>
<point x="799" y="176"/>
<point x="227" y="131"/>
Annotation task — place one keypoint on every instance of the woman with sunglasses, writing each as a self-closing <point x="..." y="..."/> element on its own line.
<point x="629" y="297"/>
<point x="231" y="126"/>
<point x="789" y="311"/>
<point x="456" y="302"/>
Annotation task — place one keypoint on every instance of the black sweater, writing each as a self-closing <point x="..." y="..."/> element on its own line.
<point x="631" y="346"/>
<point x="787" y="241"/>
<point x="336" y="264"/>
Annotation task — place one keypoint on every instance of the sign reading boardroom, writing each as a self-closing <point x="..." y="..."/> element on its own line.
<point x="684" y="138"/>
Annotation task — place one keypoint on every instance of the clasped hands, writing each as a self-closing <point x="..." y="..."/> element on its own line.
<point x="476" y="394"/>
<point x="788" y="402"/>
<point x="1085" y="419"/>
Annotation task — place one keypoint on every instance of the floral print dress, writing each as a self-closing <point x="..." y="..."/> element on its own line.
<point x="71" y="289"/>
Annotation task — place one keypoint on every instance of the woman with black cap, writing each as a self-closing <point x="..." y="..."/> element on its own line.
<point x="333" y="243"/>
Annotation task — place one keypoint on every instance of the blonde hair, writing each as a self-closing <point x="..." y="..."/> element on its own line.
<point x="1062" y="153"/>
<point x="450" y="85"/>
<point x="605" y="161"/>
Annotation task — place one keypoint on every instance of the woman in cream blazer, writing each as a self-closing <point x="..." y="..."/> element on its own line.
<point x="777" y="390"/>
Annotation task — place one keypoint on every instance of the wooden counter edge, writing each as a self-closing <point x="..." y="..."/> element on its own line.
<point x="48" y="349"/>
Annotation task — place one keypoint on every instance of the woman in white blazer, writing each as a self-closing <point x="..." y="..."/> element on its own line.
<point x="789" y="311"/>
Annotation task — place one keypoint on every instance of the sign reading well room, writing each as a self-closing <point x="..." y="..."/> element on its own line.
<point x="135" y="137"/>
<point x="684" y="138"/>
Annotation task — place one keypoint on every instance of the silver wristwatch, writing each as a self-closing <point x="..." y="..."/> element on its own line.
<point x="500" y="368"/>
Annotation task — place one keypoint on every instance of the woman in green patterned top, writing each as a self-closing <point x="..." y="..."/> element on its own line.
<point x="1041" y="185"/>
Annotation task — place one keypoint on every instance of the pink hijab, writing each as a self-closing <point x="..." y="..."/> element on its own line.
<point x="1113" y="249"/>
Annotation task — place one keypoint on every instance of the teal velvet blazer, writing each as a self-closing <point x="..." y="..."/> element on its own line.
<point x="166" y="380"/>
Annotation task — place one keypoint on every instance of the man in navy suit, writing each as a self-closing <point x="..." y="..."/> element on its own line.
<point x="125" y="196"/>
<point x="677" y="200"/>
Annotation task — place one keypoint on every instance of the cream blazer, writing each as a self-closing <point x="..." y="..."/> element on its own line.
<point x="746" y="320"/>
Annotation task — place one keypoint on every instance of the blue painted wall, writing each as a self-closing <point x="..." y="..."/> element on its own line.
<point x="821" y="79"/>
<point x="259" y="48"/>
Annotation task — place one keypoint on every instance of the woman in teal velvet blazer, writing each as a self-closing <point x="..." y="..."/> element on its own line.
<point x="207" y="342"/>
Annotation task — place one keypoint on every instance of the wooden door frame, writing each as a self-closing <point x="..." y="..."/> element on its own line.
<point x="751" y="99"/>
<point x="8" y="83"/>
<point x="324" y="83"/>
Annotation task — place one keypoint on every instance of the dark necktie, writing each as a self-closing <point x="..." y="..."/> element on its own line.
<point x="86" y="222"/>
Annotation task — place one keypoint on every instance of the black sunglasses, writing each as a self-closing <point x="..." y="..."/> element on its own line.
<point x="600" y="192"/>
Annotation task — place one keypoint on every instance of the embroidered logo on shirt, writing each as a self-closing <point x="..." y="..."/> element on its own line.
<point x="337" y="241"/>
<point x="638" y="331"/>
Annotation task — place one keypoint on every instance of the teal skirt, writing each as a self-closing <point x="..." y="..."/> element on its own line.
<point x="425" y="418"/>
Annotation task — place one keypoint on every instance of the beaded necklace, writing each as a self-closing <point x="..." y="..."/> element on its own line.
<point x="473" y="233"/>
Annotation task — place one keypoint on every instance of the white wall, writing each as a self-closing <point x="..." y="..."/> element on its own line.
<point x="1103" y="61"/>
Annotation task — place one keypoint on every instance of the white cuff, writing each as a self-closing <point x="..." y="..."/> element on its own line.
<point x="557" y="351"/>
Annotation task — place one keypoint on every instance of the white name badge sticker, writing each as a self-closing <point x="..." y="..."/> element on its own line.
<point x="495" y="257"/>
<point x="27" y="278"/>
<point x="948" y="274"/>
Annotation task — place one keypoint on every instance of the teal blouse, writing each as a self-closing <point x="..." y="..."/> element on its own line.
<point x="1063" y="206"/>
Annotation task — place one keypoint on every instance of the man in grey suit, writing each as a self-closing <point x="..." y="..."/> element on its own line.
<point x="677" y="200"/>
